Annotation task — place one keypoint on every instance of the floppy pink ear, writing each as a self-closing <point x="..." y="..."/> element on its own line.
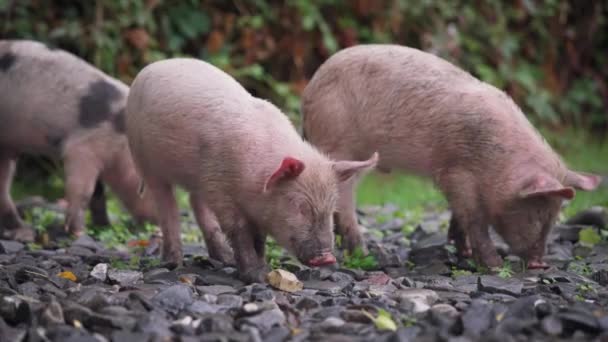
<point x="345" y="169"/>
<point x="582" y="181"/>
<point x="290" y="168"/>
<point x="543" y="185"/>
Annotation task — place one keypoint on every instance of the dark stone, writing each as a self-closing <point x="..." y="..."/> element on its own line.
<point x="8" y="333"/>
<point x="601" y="277"/>
<point x="229" y="301"/>
<point x="494" y="284"/>
<point x="595" y="216"/>
<point x="10" y="247"/>
<point x="174" y="298"/>
<point x="567" y="232"/>
<point x="95" y="106"/>
<point x="157" y="324"/>
<point x="307" y="303"/>
<point x="202" y="307"/>
<point x="478" y="318"/>
<point x="7" y="60"/>
<point x="216" y="289"/>
<point x="128" y="336"/>
<point x="327" y="286"/>
<point x="579" y="320"/>
<point x="87" y="242"/>
<point x="265" y="320"/>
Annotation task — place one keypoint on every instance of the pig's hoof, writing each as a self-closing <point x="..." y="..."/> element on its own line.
<point x="537" y="265"/>
<point x="23" y="233"/>
<point x="257" y="275"/>
<point x="225" y="256"/>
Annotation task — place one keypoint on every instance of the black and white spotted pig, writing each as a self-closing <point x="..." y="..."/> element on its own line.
<point x="55" y="104"/>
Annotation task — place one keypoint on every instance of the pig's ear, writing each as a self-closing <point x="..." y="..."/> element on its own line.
<point x="346" y="169"/>
<point x="290" y="168"/>
<point x="543" y="185"/>
<point x="582" y="181"/>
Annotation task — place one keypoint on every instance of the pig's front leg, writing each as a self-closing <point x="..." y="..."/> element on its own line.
<point x="459" y="186"/>
<point x="249" y="253"/>
<point x="346" y="223"/>
<point x="534" y="257"/>
<point x="216" y="242"/>
<point x="459" y="237"/>
<point x="168" y="219"/>
<point x="81" y="171"/>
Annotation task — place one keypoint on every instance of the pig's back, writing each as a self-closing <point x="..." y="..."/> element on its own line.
<point x="187" y="113"/>
<point x="420" y="111"/>
<point x="47" y="95"/>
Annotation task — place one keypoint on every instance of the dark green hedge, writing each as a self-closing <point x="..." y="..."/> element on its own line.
<point x="550" y="55"/>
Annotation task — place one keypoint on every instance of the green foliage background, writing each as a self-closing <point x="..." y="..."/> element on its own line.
<point x="549" y="55"/>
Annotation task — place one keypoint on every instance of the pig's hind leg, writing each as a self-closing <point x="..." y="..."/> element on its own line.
<point x="81" y="172"/>
<point x="347" y="224"/>
<point x="9" y="217"/>
<point x="459" y="238"/>
<point x="168" y="219"/>
<point x="215" y="240"/>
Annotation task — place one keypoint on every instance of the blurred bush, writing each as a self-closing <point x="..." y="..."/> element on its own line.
<point x="549" y="55"/>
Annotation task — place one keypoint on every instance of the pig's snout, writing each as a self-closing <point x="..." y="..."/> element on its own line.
<point x="322" y="260"/>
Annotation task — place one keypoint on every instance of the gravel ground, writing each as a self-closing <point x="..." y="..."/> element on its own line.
<point x="418" y="290"/>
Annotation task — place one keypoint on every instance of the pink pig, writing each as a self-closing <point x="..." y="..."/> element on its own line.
<point x="55" y="104"/>
<point x="248" y="172"/>
<point x="426" y="116"/>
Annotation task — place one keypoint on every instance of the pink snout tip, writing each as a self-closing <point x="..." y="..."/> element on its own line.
<point x="322" y="260"/>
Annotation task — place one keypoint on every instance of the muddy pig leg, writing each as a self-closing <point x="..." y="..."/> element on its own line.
<point x="459" y="238"/>
<point x="346" y="217"/>
<point x="168" y="219"/>
<point x="9" y="217"/>
<point x="459" y="188"/>
<point x="216" y="242"/>
<point x="97" y="205"/>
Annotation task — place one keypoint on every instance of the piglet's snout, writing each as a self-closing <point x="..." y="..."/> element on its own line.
<point x="322" y="260"/>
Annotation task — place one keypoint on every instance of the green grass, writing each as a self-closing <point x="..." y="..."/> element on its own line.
<point x="406" y="191"/>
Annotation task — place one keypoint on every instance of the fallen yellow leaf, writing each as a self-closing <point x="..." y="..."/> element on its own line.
<point x="67" y="275"/>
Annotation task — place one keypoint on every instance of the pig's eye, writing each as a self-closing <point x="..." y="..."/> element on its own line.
<point x="305" y="208"/>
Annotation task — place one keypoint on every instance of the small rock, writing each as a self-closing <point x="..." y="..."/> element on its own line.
<point x="124" y="277"/>
<point x="202" y="307"/>
<point x="100" y="272"/>
<point x="265" y="320"/>
<point x="420" y="299"/>
<point x="10" y="247"/>
<point x="445" y="309"/>
<point x="567" y="232"/>
<point x="340" y="277"/>
<point x="88" y="242"/>
<point x="332" y="323"/>
<point x="552" y="325"/>
<point x="284" y="281"/>
<point x="229" y="301"/>
<point x="328" y="286"/>
<point x="216" y="289"/>
<point x="53" y="314"/>
<point x="307" y="303"/>
<point x="495" y="284"/>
